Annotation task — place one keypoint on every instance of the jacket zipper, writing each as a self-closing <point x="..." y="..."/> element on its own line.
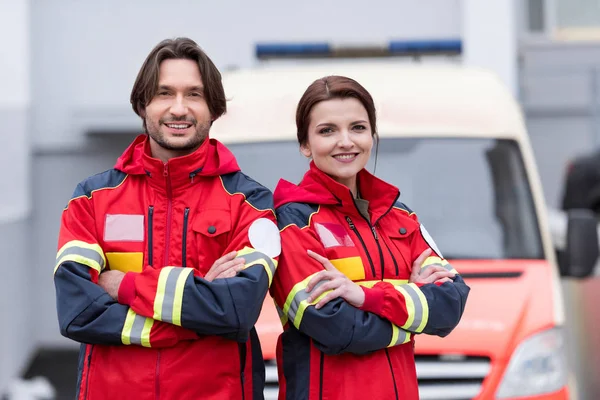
<point x="87" y="372"/>
<point x="393" y="258"/>
<point x="150" y="217"/>
<point x="374" y="232"/>
<point x="321" y="376"/>
<point x="387" y="354"/>
<point x="184" y="245"/>
<point x="353" y="228"/>
<point x="242" y="348"/>
<point x="169" y="211"/>
<point x="156" y="383"/>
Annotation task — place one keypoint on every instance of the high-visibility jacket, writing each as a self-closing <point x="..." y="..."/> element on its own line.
<point x="172" y="334"/>
<point x="340" y="351"/>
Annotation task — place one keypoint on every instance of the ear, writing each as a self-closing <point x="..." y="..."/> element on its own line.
<point x="305" y="150"/>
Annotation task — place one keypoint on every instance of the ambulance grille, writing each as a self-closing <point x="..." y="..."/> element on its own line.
<point x="451" y="377"/>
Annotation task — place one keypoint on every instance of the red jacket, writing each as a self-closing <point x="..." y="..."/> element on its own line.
<point x="172" y="334"/>
<point x="339" y="351"/>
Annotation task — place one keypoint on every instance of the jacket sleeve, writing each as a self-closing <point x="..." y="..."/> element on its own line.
<point x="86" y="313"/>
<point x="226" y="307"/>
<point x="338" y="327"/>
<point x="433" y="309"/>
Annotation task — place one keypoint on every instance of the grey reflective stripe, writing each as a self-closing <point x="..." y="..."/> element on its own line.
<point x="169" y="299"/>
<point x="257" y="255"/>
<point x="299" y="298"/>
<point x="403" y="336"/>
<point x="279" y="311"/>
<point x="82" y="251"/>
<point x="418" y="307"/>
<point x="136" y="329"/>
<point x="447" y="267"/>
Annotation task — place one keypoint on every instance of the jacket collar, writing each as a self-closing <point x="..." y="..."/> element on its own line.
<point x="319" y="188"/>
<point x="212" y="158"/>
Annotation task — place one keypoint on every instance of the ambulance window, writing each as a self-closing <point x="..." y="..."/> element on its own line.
<point x="473" y="195"/>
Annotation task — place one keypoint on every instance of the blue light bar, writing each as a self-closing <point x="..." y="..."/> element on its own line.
<point x="390" y="49"/>
<point x="426" y="46"/>
<point x="274" y="50"/>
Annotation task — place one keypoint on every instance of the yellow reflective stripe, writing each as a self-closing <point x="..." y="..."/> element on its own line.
<point x="126" y="332"/>
<point x="178" y="300"/>
<point x="370" y="284"/>
<point x="297" y="300"/>
<point x="254" y="257"/>
<point x="399" y="336"/>
<point x="410" y="307"/>
<point x="425" y="307"/>
<point x="146" y="332"/>
<point x="160" y="292"/>
<point x="169" y="294"/>
<point x="136" y="329"/>
<point x="395" y="333"/>
<point x="88" y="254"/>
<point x="433" y="260"/>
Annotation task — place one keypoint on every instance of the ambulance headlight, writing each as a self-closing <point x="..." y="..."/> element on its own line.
<point x="538" y="366"/>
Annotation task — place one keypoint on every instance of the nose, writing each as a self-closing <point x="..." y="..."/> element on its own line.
<point x="179" y="107"/>
<point x="345" y="141"/>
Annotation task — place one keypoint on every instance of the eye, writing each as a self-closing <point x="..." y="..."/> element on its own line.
<point x="163" y="93"/>
<point x="359" y="127"/>
<point x="196" y="94"/>
<point x="326" y="130"/>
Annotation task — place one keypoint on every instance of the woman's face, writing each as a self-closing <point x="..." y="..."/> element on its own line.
<point x="340" y="139"/>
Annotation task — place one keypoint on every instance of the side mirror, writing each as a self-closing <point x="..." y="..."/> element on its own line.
<point x="581" y="251"/>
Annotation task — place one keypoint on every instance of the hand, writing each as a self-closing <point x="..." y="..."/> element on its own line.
<point x="110" y="281"/>
<point x="433" y="274"/>
<point x="337" y="282"/>
<point x="225" y="267"/>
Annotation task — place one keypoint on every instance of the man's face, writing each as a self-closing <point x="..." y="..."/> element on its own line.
<point x="178" y="118"/>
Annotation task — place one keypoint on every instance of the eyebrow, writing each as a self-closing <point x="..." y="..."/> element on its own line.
<point x="360" y="121"/>
<point x="193" y="88"/>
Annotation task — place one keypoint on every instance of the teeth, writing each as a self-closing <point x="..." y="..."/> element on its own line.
<point x="346" y="156"/>
<point x="183" y="126"/>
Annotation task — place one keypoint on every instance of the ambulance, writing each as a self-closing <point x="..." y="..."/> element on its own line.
<point x="453" y="139"/>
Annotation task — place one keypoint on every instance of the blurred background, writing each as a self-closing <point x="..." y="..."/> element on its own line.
<point x="67" y="68"/>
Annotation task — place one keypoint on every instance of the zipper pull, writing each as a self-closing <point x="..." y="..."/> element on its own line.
<point x="374" y="233"/>
<point x="192" y="175"/>
<point x="166" y="170"/>
<point x="350" y="223"/>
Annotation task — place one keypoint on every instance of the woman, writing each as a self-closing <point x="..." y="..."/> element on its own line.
<point x="358" y="275"/>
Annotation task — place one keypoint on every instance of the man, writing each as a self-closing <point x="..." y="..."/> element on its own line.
<point x="165" y="260"/>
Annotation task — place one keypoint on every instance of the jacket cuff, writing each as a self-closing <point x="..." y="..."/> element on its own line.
<point x="373" y="300"/>
<point x="127" y="293"/>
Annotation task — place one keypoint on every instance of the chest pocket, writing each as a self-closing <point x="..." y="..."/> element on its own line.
<point x="341" y="250"/>
<point x="400" y="234"/>
<point x="211" y="230"/>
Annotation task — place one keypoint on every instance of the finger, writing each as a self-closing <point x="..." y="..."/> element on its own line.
<point x="227" y="257"/>
<point x="327" y="298"/>
<point x="427" y="271"/>
<point x="230" y="273"/>
<point x="443" y="280"/>
<point x="323" y="275"/>
<point x="216" y="270"/>
<point x="422" y="257"/>
<point x="436" y="276"/>
<point x="329" y="285"/>
<point x="324" y="261"/>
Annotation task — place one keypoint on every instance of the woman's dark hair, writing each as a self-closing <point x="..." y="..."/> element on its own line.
<point x="146" y="83"/>
<point x="327" y="88"/>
